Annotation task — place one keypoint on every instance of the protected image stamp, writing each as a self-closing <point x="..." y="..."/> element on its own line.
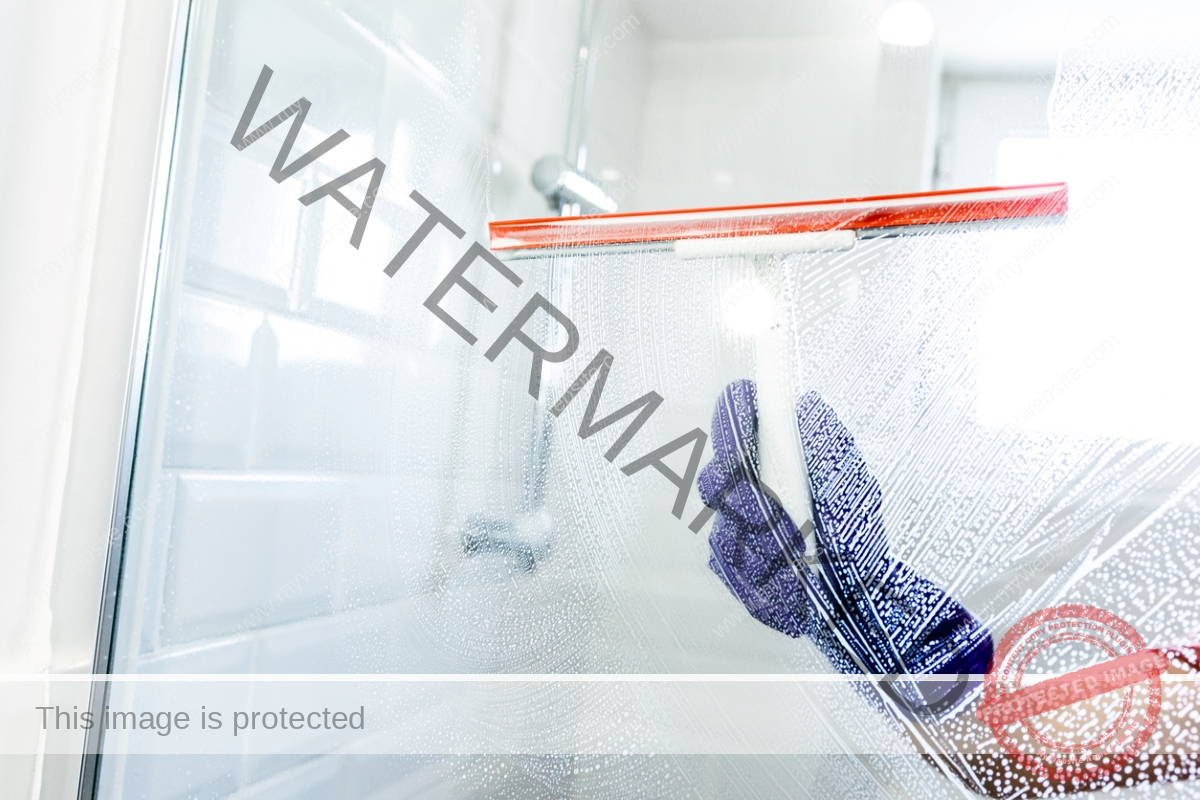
<point x="1083" y="725"/>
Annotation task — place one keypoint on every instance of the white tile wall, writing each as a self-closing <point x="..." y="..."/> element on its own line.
<point x="529" y="112"/>
<point x="615" y="126"/>
<point x="323" y="436"/>
<point x="977" y="113"/>
<point x="178" y="777"/>
<point x="380" y="777"/>
<point x="310" y="408"/>
<point x="250" y="261"/>
<point x="250" y="551"/>
<point x="312" y="779"/>
<point x="214" y="372"/>
<point x="319" y="399"/>
<point x="274" y="392"/>
<point x="231" y="655"/>
<point x="744" y="121"/>
<point x="351" y="777"/>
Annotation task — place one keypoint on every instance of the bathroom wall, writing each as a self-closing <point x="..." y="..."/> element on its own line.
<point x="298" y="467"/>
<point x="530" y="94"/>
<point x="753" y="121"/>
<point x="980" y="111"/>
<point x="313" y="441"/>
<point x="765" y="105"/>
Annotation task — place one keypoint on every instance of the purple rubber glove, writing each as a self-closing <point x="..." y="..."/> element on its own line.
<point x="867" y="611"/>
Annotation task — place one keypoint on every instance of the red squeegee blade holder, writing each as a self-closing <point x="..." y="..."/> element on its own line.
<point x="889" y="211"/>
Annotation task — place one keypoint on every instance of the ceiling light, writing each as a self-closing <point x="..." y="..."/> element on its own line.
<point x="906" y="24"/>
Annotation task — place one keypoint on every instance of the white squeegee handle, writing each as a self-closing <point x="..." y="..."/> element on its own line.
<point x="780" y="452"/>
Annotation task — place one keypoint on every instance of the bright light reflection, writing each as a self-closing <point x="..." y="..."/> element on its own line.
<point x="907" y="24"/>
<point x="748" y="307"/>
<point x="1088" y="327"/>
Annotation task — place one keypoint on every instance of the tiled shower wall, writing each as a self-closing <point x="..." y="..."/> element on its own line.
<point x="707" y="104"/>
<point x="304" y="455"/>
<point x="294" y="451"/>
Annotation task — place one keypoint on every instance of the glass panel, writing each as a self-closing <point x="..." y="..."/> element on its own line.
<point x="333" y="480"/>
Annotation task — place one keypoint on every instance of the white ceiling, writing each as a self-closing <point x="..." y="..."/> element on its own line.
<point x="997" y="36"/>
<point x="755" y="19"/>
<point x="980" y="36"/>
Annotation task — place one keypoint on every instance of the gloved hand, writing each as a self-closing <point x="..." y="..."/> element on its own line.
<point x="867" y="611"/>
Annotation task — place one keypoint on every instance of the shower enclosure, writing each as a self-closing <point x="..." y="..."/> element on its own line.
<point x="335" y="490"/>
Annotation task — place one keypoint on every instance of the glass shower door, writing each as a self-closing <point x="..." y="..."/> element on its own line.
<point x="343" y="502"/>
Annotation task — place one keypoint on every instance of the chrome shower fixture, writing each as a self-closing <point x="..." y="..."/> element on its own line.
<point x="568" y="190"/>
<point x="562" y="181"/>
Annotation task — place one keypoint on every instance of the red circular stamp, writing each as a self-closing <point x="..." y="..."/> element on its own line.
<point x="1087" y="723"/>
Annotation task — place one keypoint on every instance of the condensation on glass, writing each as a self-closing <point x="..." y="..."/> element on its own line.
<point x="330" y="480"/>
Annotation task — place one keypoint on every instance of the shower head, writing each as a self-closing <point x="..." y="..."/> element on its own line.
<point x="564" y="186"/>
